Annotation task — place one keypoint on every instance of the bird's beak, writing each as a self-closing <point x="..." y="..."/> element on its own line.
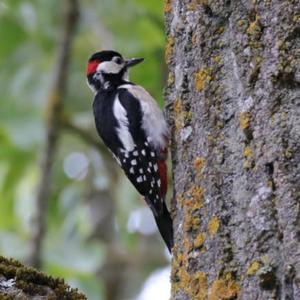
<point x="133" y="61"/>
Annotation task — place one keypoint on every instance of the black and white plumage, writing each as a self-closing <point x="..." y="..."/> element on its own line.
<point x="133" y="127"/>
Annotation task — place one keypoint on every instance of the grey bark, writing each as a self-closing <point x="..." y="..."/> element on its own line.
<point x="233" y="103"/>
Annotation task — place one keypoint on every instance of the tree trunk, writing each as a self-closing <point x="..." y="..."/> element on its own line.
<point x="233" y="103"/>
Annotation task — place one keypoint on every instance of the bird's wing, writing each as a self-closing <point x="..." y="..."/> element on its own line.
<point x="139" y="161"/>
<point x="153" y="121"/>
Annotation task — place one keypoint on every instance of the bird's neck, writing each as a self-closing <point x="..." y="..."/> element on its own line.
<point x="113" y="84"/>
<point x="113" y="81"/>
<point x="108" y="81"/>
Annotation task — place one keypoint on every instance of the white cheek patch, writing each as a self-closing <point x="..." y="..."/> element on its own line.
<point x="109" y="67"/>
<point x="126" y="76"/>
<point x="94" y="90"/>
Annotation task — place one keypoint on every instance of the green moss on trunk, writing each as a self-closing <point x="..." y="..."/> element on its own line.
<point x="21" y="282"/>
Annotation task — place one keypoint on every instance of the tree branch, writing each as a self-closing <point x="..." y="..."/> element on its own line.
<point x="54" y="108"/>
<point x="95" y="142"/>
<point x="20" y="282"/>
<point x="84" y="134"/>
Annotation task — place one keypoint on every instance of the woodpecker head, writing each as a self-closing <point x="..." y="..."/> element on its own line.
<point x="108" y="68"/>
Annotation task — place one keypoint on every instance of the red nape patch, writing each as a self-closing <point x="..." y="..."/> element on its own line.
<point x="92" y="67"/>
<point x="162" y="168"/>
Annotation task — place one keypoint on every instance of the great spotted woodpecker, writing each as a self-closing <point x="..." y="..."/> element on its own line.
<point x="133" y="127"/>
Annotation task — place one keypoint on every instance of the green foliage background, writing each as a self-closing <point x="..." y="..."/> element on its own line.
<point x="29" y="33"/>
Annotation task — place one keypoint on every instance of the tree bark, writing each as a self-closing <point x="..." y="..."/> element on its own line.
<point x="233" y="103"/>
<point x="18" y="282"/>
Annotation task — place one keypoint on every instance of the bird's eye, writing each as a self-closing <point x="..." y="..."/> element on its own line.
<point x="118" y="60"/>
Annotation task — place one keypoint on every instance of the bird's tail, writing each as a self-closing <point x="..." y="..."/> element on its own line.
<point x="165" y="226"/>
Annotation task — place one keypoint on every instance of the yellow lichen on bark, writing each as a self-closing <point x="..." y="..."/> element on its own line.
<point x="178" y="125"/>
<point x="217" y="59"/>
<point x="181" y="279"/>
<point x="224" y="289"/>
<point x="177" y="106"/>
<point x="213" y="226"/>
<point x="180" y="200"/>
<point x="195" y="195"/>
<point x="195" y="38"/>
<point x="245" y="118"/>
<point x="254" y="26"/>
<point x="199" y="240"/>
<point x="199" y="286"/>
<point x="220" y="30"/>
<point x="171" y="79"/>
<point x="195" y="285"/>
<point x="270" y="184"/>
<point x="248" y="152"/>
<point x="253" y="268"/>
<point x="201" y="78"/>
<point x="178" y="114"/>
<point x="182" y="117"/>
<point x="194" y="4"/>
<point x="196" y="192"/>
<point x="169" y="49"/>
<point x="191" y="223"/>
<point x="199" y="164"/>
<point x="188" y="223"/>
<point x="168" y="6"/>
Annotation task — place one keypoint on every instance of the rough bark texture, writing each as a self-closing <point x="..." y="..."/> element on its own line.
<point x="233" y="102"/>
<point x="18" y="282"/>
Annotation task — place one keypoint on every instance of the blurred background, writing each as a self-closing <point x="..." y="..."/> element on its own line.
<point x="65" y="206"/>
